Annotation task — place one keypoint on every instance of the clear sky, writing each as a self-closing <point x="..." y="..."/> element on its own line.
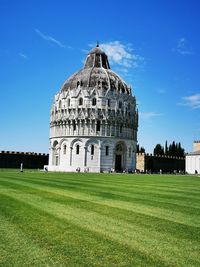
<point x="153" y="45"/>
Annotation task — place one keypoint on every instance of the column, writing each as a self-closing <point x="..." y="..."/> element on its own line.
<point x="71" y="155"/>
<point x="85" y="157"/>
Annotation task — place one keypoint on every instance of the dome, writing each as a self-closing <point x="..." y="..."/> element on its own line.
<point x="96" y="73"/>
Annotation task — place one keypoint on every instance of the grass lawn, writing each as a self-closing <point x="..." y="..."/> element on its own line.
<point x="65" y="219"/>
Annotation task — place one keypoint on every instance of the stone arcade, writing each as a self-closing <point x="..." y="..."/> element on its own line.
<point x="94" y="122"/>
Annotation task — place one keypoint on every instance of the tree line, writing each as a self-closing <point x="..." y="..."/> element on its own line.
<point x="173" y="149"/>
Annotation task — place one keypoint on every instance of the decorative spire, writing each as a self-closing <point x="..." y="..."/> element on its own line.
<point x="97" y="58"/>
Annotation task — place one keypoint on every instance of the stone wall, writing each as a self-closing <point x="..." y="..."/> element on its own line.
<point x="148" y="162"/>
<point x="30" y="160"/>
<point x="196" y="146"/>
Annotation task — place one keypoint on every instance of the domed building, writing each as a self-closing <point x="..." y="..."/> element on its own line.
<point x="94" y="122"/>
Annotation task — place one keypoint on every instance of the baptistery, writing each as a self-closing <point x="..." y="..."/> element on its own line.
<point x="93" y="121"/>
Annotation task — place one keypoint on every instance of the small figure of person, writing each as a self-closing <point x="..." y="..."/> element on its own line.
<point x="21" y="167"/>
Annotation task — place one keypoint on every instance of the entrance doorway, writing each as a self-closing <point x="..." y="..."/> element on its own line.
<point x="118" y="163"/>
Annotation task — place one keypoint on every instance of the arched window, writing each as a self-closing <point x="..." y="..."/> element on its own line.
<point x="74" y="126"/>
<point x="64" y="149"/>
<point x="121" y="128"/>
<point x="107" y="150"/>
<point x="80" y="101"/>
<point x="92" y="149"/>
<point x="94" y="101"/>
<point x="120" y="104"/>
<point x="68" y="102"/>
<point x="108" y="102"/>
<point x="77" y="149"/>
<point x="55" y="143"/>
<point x="98" y="126"/>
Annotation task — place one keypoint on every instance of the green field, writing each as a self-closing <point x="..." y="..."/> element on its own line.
<point x="57" y="219"/>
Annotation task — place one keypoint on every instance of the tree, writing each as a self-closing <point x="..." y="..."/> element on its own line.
<point x="180" y="150"/>
<point x="158" y="150"/>
<point x="140" y="149"/>
<point x="166" y="148"/>
<point x="172" y="149"/>
<point x="176" y="150"/>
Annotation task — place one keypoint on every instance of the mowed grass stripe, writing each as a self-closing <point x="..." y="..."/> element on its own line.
<point x="157" y="209"/>
<point x="62" y="243"/>
<point x="13" y="240"/>
<point x="133" y="188"/>
<point x="136" y="237"/>
<point x="172" y="182"/>
<point x="133" y="217"/>
<point x="111" y="218"/>
<point x="153" y="199"/>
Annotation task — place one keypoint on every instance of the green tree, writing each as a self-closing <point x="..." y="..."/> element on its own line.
<point x="166" y="148"/>
<point x="140" y="149"/>
<point x="158" y="150"/>
<point x="176" y="150"/>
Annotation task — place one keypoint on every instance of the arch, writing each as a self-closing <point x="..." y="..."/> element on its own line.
<point x="91" y="141"/>
<point x="75" y="140"/>
<point x="55" y="153"/>
<point x="62" y="141"/>
<point x="120" y="156"/>
<point x="55" y="143"/>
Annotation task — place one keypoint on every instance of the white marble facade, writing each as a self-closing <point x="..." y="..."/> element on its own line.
<point x="192" y="161"/>
<point x="94" y="121"/>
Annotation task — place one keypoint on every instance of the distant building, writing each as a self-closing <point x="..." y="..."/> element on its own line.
<point x="193" y="159"/>
<point x="94" y="122"/>
<point x="157" y="163"/>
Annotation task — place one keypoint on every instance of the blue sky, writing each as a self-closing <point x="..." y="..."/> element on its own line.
<point x="153" y="45"/>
